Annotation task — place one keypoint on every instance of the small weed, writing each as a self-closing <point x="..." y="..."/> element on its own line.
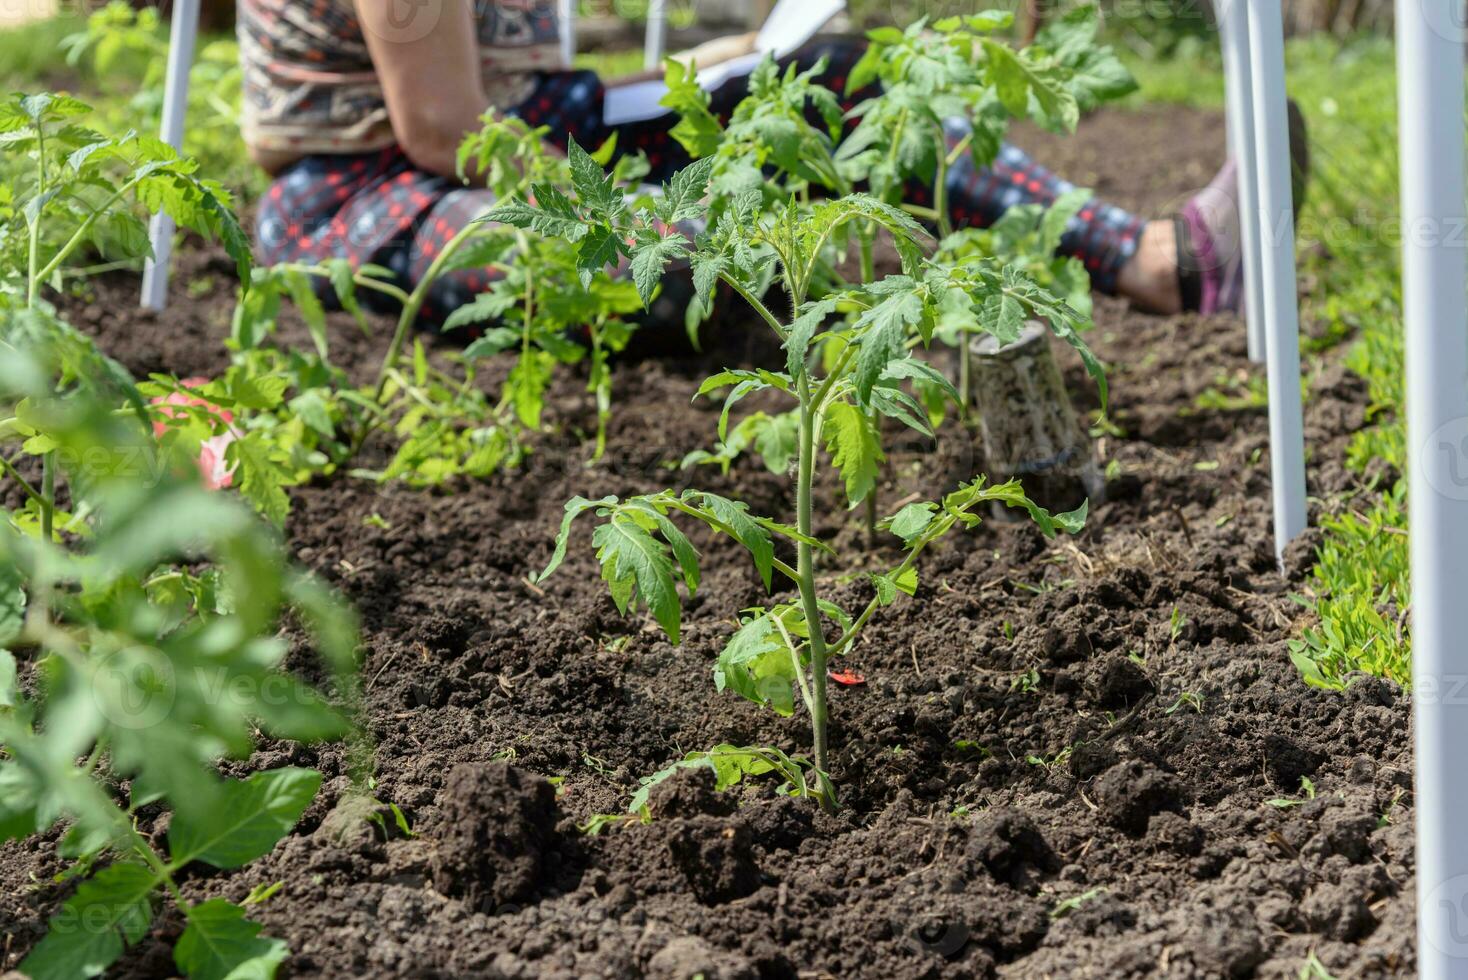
<point x="1186" y="699"/>
<point x="1066" y="906"/>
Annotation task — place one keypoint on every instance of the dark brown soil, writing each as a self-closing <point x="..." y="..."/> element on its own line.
<point x="1101" y="824"/>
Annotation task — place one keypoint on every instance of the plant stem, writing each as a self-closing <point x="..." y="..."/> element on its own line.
<point x="405" y="325"/>
<point x="414" y="304"/>
<point x="48" y="495"/>
<point x="868" y="274"/>
<point x="25" y="484"/>
<point x="79" y="236"/>
<point x="805" y="568"/>
<point x="33" y="278"/>
<point x="759" y="307"/>
<point x="965" y="374"/>
<point x="940" y="199"/>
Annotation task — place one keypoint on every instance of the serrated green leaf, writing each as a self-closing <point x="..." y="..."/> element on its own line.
<point x="109" y="912"/>
<point x="855" y="448"/>
<point x="261" y="478"/>
<point x="252" y="816"/>
<point x="746" y="530"/>
<point x="882" y="334"/>
<point x="575" y="507"/>
<point x="219" y="943"/>
<point x="909" y="522"/>
<point x="802" y="329"/>
<point x="594" y="185"/>
<point x="637" y="568"/>
<point x="757" y="665"/>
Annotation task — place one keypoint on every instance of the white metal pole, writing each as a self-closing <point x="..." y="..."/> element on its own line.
<point x="1233" y="29"/>
<point x="181" y="36"/>
<point x="1434" y="288"/>
<point x="566" y="14"/>
<point x="657" y="34"/>
<point x="1279" y="308"/>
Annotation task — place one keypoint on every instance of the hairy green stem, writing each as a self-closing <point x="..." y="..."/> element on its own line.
<point x="79" y="236"/>
<point x="414" y="304"/>
<point x="805" y="569"/>
<point x="25" y="485"/>
<point x="759" y="307"/>
<point x="33" y="277"/>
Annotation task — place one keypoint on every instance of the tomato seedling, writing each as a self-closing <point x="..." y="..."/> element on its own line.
<point x="841" y="377"/>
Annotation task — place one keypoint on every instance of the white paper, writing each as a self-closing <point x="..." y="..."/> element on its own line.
<point x="790" y="24"/>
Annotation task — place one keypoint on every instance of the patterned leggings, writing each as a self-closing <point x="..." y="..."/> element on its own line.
<point x="379" y="208"/>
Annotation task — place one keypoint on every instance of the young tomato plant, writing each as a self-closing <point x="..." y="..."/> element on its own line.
<point x="139" y="638"/>
<point x="950" y="89"/>
<point x="840" y="378"/>
<point x="540" y="306"/>
<point x="128" y="670"/>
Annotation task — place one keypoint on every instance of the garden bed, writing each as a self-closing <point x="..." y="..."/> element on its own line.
<point x="1060" y="764"/>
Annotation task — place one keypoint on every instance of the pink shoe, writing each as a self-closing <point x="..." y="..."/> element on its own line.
<point x="1210" y="257"/>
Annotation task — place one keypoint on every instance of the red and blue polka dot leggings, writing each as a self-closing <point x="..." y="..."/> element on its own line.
<point x="379" y="208"/>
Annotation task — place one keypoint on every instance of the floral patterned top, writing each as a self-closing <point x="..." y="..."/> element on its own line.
<point x="309" y="83"/>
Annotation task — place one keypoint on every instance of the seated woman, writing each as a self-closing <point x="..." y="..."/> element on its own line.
<point x="358" y="115"/>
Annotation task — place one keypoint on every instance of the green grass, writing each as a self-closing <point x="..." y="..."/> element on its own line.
<point x="32" y="54"/>
<point x="1349" y="261"/>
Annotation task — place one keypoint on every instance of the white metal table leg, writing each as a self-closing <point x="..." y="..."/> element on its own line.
<point x="566" y="16"/>
<point x="1434" y="289"/>
<point x="1233" y="28"/>
<point x="182" y="34"/>
<point x="1279" y="308"/>
<point x="657" y="34"/>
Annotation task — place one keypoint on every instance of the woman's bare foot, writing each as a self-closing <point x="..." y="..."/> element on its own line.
<point x="1150" y="280"/>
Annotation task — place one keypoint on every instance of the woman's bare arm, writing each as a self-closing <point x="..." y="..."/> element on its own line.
<point x="427" y="59"/>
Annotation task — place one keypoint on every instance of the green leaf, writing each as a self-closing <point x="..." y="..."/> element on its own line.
<point x="637" y="568"/>
<point x="683" y="549"/>
<point x="9" y="689"/>
<point x="252" y="815"/>
<point x="756" y="664"/>
<point x="1003" y="316"/>
<point x="523" y="215"/>
<point x="855" y="448"/>
<point x="12" y="602"/>
<point x="889" y="586"/>
<point x="575" y="507"/>
<point x="683" y="196"/>
<point x="262" y="480"/>
<point x="1058" y="215"/>
<point x="601" y="247"/>
<point x="1011" y="494"/>
<point x="594" y="185"/>
<point x="909" y="522"/>
<point x="649" y="258"/>
<point x="804" y="327"/>
<point x="746" y="530"/>
<point x="109" y="912"/>
<point x="310" y="308"/>
<point x="221" y="944"/>
<point x="485" y="306"/>
<point x="883" y="334"/>
<point x="18" y="799"/>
